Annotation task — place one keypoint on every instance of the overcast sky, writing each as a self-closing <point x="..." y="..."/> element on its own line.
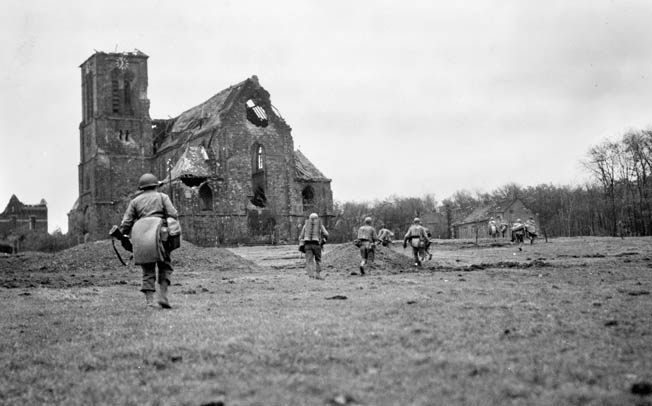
<point x="384" y="97"/>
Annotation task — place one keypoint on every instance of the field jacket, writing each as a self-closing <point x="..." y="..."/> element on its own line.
<point x="367" y="233"/>
<point x="416" y="231"/>
<point x="142" y="222"/>
<point x="313" y="231"/>
<point x="385" y="235"/>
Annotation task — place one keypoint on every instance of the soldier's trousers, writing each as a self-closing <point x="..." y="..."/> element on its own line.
<point x="149" y="274"/>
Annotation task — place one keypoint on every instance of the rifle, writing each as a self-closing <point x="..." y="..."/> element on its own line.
<point x="115" y="233"/>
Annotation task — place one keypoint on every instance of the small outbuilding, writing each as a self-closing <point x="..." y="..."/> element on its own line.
<point x="476" y="224"/>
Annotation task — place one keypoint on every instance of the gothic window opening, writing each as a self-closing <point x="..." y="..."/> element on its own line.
<point x="260" y="165"/>
<point x="256" y="114"/>
<point x="308" y="197"/>
<point x="115" y="96"/>
<point x="258" y="182"/>
<point x="205" y="198"/>
<point x="123" y="135"/>
<point x="32" y="223"/>
<point x="121" y="91"/>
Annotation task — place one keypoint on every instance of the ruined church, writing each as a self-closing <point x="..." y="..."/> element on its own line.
<point x="228" y="164"/>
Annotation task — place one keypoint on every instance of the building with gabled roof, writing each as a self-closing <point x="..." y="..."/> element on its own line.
<point x="19" y="218"/>
<point x="228" y="164"/>
<point x="505" y="212"/>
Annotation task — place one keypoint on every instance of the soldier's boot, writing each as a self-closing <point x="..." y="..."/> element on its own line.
<point x="163" y="295"/>
<point x="318" y="272"/>
<point x="310" y="269"/>
<point x="362" y="264"/>
<point x="149" y="298"/>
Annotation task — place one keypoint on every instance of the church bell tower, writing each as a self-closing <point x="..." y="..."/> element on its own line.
<point x="115" y="137"/>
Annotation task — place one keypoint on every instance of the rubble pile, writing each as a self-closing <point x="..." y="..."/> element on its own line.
<point x="345" y="258"/>
<point x="95" y="264"/>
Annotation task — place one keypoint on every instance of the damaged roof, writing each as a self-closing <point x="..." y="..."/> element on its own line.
<point x="305" y="170"/>
<point x="192" y="164"/>
<point x="200" y="118"/>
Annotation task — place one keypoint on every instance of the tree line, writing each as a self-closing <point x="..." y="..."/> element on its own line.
<point x="616" y="201"/>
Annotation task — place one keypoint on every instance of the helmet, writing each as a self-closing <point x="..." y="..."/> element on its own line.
<point x="518" y="220"/>
<point x="367" y="220"/>
<point x="147" y="181"/>
<point x="417" y="220"/>
<point x="313" y="216"/>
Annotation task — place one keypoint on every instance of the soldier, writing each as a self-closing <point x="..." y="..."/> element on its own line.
<point x="531" y="229"/>
<point x="143" y="219"/>
<point x="385" y="236"/>
<point x="492" y="226"/>
<point x="427" y="242"/>
<point x="367" y="238"/>
<point x="418" y="237"/>
<point x="518" y="233"/>
<point x="313" y="236"/>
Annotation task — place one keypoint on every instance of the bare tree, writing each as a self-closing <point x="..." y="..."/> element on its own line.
<point x="603" y="161"/>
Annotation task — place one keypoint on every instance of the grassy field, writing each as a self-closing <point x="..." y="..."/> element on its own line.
<point x="567" y="322"/>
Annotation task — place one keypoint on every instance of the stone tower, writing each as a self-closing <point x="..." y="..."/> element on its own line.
<point x="115" y="137"/>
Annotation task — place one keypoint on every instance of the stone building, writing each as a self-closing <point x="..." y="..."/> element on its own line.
<point x="506" y="212"/>
<point x="19" y="219"/>
<point x="228" y="164"/>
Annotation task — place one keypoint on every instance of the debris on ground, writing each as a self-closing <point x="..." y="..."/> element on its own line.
<point x="337" y="297"/>
<point x="345" y="258"/>
<point x="95" y="264"/>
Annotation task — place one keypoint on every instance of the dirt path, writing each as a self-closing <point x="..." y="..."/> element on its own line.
<point x="277" y="256"/>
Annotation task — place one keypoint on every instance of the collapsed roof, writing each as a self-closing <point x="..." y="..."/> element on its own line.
<point x="305" y="170"/>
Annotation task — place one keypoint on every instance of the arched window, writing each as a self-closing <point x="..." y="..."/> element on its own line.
<point x="259" y="161"/>
<point x="258" y="182"/>
<point x="308" y="197"/>
<point x="205" y="198"/>
<point x="121" y="91"/>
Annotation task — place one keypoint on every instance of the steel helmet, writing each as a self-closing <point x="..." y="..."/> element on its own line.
<point x="367" y="220"/>
<point x="313" y="216"/>
<point x="417" y="220"/>
<point x="147" y="180"/>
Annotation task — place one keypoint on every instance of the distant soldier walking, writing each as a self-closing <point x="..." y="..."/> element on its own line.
<point x="142" y="220"/>
<point x="367" y="238"/>
<point x="531" y="229"/>
<point x="492" y="227"/>
<point x="312" y="237"/>
<point x="385" y="236"/>
<point x="518" y="233"/>
<point x="417" y="237"/>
